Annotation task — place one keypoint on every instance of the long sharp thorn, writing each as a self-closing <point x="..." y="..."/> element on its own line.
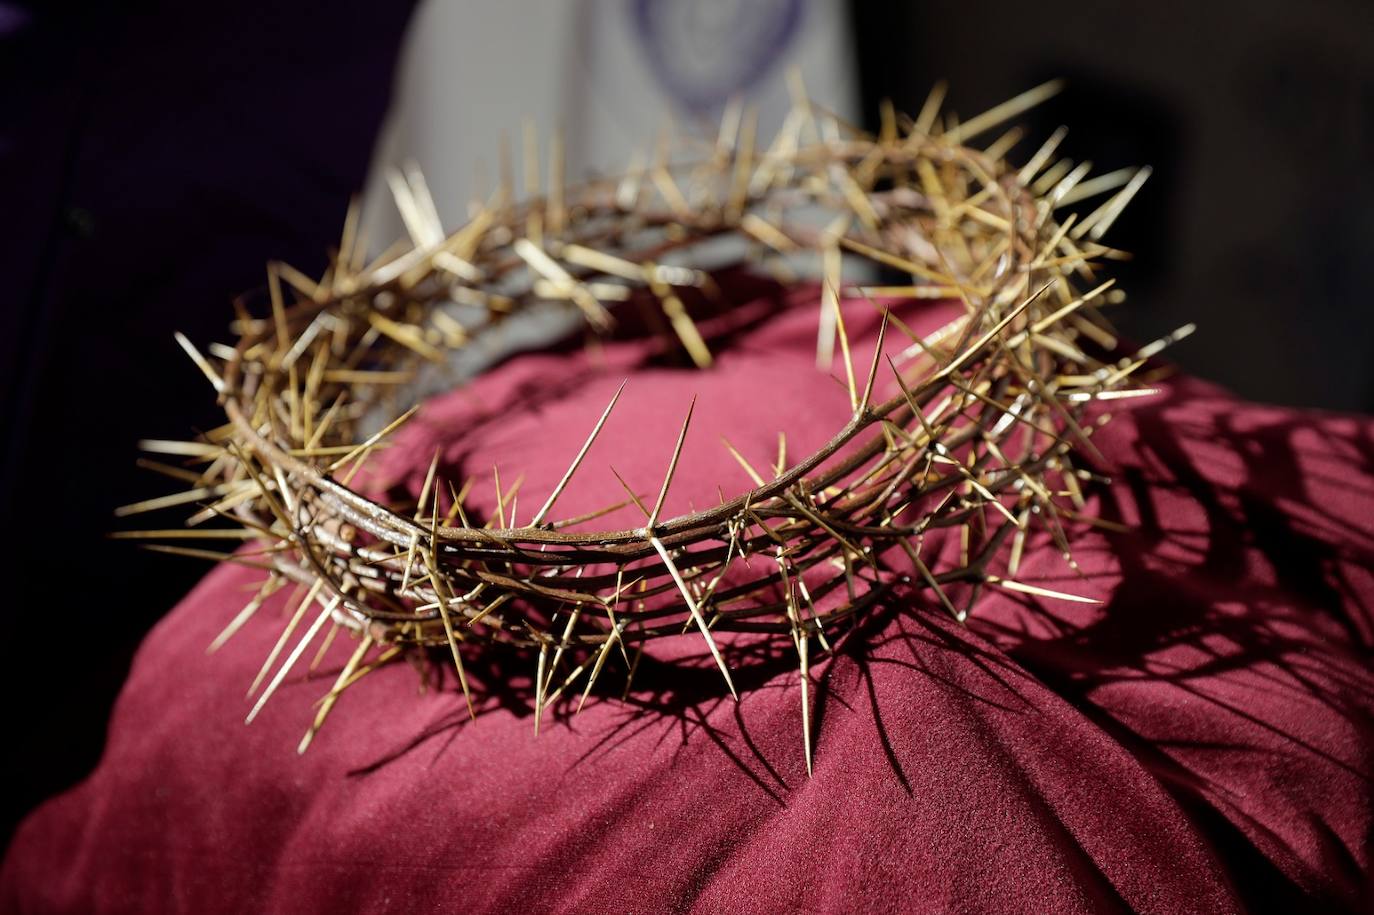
<point x="929" y="579"/>
<point x="992" y="333"/>
<point x="1003" y="112"/>
<point x="286" y="634"/>
<point x="696" y="612"/>
<point x="539" y="685"/>
<point x="441" y="594"/>
<point x="873" y="368"/>
<point x="563" y="643"/>
<point x="742" y="461"/>
<point x="333" y="695"/>
<point x="201" y="362"/>
<point x="375" y="438"/>
<point x="292" y="658"/>
<point x="425" y="487"/>
<point x="572" y="468"/>
<point x="269" y="587"/>
<point x="672" y="467"/>
<point x="500" y="500"/>
<point x="931" y="109"/>
<point x="844" y="351"/>
<point x="610" y="611"/>
<point x="602" y="654"/>
<point x="1039" y="592"/>
<point x="639" y="503"/>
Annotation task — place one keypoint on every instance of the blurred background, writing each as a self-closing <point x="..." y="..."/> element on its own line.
<point x="153" y="156"/>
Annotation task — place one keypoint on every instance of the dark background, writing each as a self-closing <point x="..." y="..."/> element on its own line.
<point x="1258" y="119"/>
<point x="154" y="156"/>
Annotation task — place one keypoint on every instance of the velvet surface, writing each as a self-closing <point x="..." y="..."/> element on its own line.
<point x="1198" y="742"/>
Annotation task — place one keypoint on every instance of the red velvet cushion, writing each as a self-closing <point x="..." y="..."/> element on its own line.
<point x="1199" y="742"/>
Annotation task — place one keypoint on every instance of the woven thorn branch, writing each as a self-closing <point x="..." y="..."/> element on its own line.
<point x="977" y="429"/>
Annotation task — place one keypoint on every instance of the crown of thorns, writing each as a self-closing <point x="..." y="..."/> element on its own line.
<point x="979" y="433"/>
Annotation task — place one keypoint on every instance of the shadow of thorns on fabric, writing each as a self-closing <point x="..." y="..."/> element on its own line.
<point x="679" y="700"/>
<point x="1189" y="610"/>
<point x="1171" y="586"/>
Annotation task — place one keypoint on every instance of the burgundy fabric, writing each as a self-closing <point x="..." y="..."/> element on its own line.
<point x="1199" y="742"/>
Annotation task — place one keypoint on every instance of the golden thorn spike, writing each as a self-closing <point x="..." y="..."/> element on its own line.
<point x="332" y="696"/>
<point x="201" y="362"/>
<point x="696" y="613"/>
<point x="577" y="461"/>
<point x="292" y="658"/>
<point x="1005" y="111"/>
<point x="672" y="467"/>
